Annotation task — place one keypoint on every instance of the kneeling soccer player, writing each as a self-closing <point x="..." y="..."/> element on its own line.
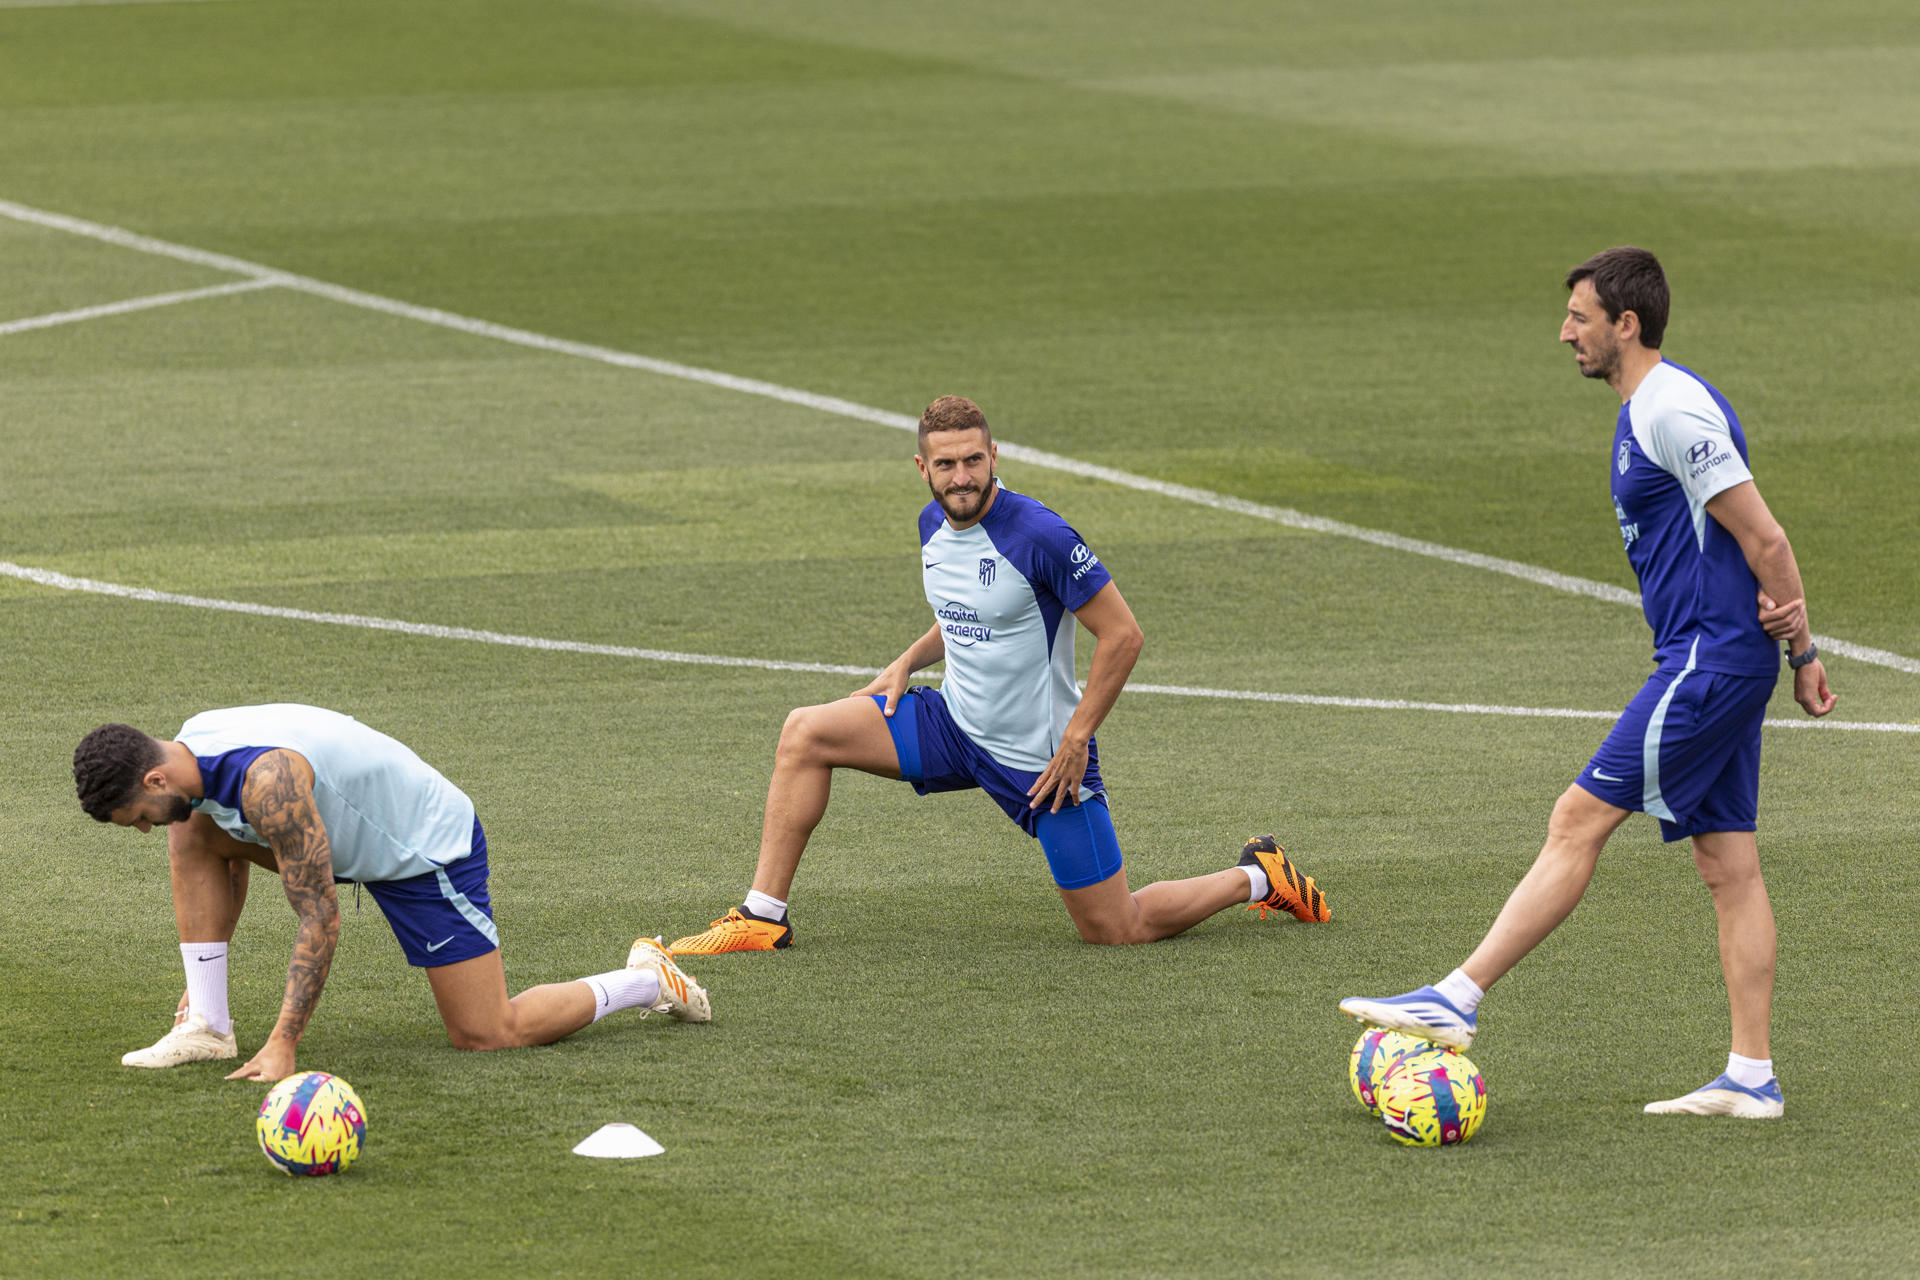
<point x="320" y="798"/>
<point x="1006" y="578"/>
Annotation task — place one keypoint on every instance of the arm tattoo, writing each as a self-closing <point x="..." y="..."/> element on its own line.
<point x="278" y="796"/>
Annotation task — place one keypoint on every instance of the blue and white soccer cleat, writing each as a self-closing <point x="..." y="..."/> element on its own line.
<point x="1424" y="1013"/>
<point x="1724" y="1097"/>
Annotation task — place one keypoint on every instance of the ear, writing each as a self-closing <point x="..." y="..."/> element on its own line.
<point x="921" y="463"/>
<point x="154" y="779"/>
<point x="1629" y="326"/>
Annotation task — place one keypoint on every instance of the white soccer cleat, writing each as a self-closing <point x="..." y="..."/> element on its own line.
<point x="1424" y="1013"/>
<point x="680" y="996"/>
<point x="189" y="1040"/>
<point x="1724" y="1097"/>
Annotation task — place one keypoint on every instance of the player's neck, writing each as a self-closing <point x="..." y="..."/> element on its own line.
<point x="1636" y="362"/>
<point x="183" y="770"/>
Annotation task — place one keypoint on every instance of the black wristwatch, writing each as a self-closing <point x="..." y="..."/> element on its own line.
<point x="1795" y="661"/>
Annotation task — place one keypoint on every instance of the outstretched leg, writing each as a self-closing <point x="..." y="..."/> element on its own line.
<point x="1577" y="831"/>
<point x="1444" y="1012"/>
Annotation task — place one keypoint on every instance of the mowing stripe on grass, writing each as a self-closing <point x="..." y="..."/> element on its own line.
<point x="1832" y="645"/>
<point x="66" y="582"/>
<point x="147" y="303"/>
<point x="81" y="4"/>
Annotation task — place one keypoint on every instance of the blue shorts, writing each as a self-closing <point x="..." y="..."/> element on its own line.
<point x="442" y="917"/>
<point x="1687" y="751"/>
<point x="936" y="754"/>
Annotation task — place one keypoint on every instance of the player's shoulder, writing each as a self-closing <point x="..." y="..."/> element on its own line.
<point x="1672" y="391"/>
<point x="1016" y="514"/>
<point x="931" y="518"/>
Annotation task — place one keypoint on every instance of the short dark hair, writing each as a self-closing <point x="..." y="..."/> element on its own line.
<point x="108" y="765"/>
<point x="1628" y="279"/>
<point x="952" y="413"/>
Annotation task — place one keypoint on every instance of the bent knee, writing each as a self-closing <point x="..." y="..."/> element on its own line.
<point x="480" y="1041"/>
<point x="801" y="738"/>
<point x="1115" y="935"/>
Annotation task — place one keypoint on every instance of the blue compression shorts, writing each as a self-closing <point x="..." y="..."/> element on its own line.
<point x="1687" y="751"/>
<point x="442" y="917"/>
<point x="936" y="754"/>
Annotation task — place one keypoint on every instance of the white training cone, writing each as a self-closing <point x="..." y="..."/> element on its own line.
<point x="618" y="1142"/>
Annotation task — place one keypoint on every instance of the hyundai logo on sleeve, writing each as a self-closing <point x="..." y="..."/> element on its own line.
<point x="1700" y="452"/>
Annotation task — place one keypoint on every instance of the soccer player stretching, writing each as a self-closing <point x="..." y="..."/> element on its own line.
<point x="1687" y="747"/>
<point x="1006" y="578"/>
<point x="318" y="797"/>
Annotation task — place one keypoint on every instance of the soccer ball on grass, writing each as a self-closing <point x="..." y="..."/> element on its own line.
<point x="311" y="1124"/>
<point x="1432" y="1098"/>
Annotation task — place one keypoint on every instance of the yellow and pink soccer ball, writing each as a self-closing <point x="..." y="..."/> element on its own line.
<point x="311" y="1124"/>
<point x="1374" y="1052"/>
<point x="1432" y="1098"/>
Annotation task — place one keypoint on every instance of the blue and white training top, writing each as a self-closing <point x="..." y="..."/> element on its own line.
<point x="389" y="814"/>
<point x="1677" y="446"/>
<point x="1004" y="592"/>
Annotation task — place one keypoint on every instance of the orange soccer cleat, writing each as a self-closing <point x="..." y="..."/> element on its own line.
<point x="1288" y="890"/>
<point x="736" y="931"/>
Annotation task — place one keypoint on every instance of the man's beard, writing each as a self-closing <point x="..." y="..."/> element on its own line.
<point x="957" y="507"/>
<point x="179" y="809"/>
<point x="1602" y="364"/>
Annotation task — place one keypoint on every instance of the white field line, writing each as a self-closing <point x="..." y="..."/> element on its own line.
<point x="66" y="582"/>
<point x="881" y="417"/>
<point x="147" y="303"/>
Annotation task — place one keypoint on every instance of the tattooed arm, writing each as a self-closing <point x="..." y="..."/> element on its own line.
<point x="278" y="800"/>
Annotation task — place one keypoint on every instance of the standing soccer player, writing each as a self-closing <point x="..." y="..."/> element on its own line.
<point x="1687" y="748"/>
<point x="1006" y="579"/>
<point x="317" y="797"/>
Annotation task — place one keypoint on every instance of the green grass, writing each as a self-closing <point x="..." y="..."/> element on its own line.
<point x="1302" y="256"/>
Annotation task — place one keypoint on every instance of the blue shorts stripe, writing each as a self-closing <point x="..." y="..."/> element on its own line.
<point x="1651" y="800"/>
<point x="443" y="916"/>
<point x="467" y="909"/>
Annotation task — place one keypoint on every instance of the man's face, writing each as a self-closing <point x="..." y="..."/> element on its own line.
<point x="153" y="807"/>
<point x="958" y="469"/>
<point x="1595" y="339"/>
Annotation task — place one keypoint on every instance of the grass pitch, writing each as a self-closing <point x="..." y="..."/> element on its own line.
<point x="1303" y="257"/>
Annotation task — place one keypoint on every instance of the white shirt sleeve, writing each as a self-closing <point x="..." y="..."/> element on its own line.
<point x="1688" y="437"/>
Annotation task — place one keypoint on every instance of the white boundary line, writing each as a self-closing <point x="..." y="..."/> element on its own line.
<point x="881" y="417"/>
<point x="147" y="303"/>
<point x="66" y="582"/>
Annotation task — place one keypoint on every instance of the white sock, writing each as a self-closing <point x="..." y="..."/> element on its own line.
<point x="623" y="989"/>
<point x="765" y="905"/>
<point x="206" y="966"/>
<point x="1258" y="883"/>
<point x="1464" y="993"/>
<point x="1749" y="1072"/>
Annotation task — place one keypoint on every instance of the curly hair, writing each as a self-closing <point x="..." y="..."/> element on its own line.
<point x="108" y="765"/>
<point x="952" y="413"/>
